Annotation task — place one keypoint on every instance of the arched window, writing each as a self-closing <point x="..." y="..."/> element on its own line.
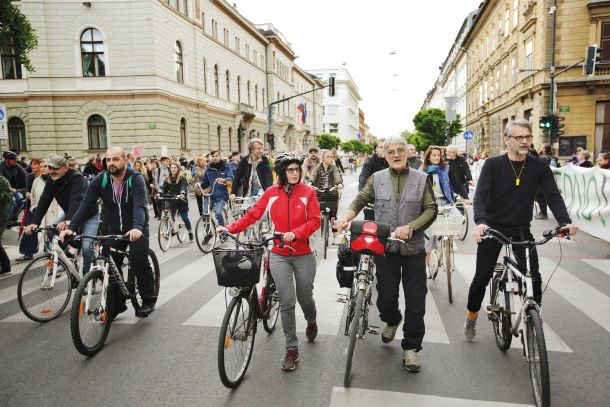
<point x="248" y="90"/>
<point x="279" y="106"/>
<point x="16" y="135"/>
<point x="238" y="89"/>
<point x="218" y="131"/>
<point x="263" y="98"/>
<point x="92" y="53"/>
<point x="96" y="129"/>
<point x="256" y="96"/>
<point x="179" y="64"/>
<point x="183" y="133"/>
<point x="205" y="76"/>
<point x="230" y="138"/>
<point x="228" y="83"/>
<point x="216" y="80"/>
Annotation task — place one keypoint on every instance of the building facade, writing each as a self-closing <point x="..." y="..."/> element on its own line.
<point x="165" y="75"/>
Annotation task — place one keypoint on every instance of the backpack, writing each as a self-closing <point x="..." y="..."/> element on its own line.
<point x="106" y="177"/>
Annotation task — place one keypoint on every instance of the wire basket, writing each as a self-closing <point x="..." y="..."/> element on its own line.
<point x="328" y="200"/>
<point x="446" y="226"/>
<point x="237" y="268"/>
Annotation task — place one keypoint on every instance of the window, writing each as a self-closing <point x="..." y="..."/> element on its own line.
<point x="238" y="89"/>
<point x="515" y="13"/>
<point x="96" y="129"/>
<point x="230" y="138"/>
<point x="262" y="62"/>
<point x="263" y="98"/>
<point x="179" y="64"/>
<point x="485" y="94"/>
<point x="602" y="126"/>
<point x="247" y="52"/>
<point x="527" y="115"/>
<point x="333" y="128"/>
<point x="331" y="110"/>
<point x="491" y="86"/>
<point x="248" y="90"/>
<point x="228" y="84"/>
<point x="16" y="135"/>
<point x="225" y="36"/>
<point x="11" y="69"/>
<point x="605" y="42"/>
<point x="205" y="76"/>
<point x="92" y="53"/>
<point x="183" y="133"/>
<point x="256" y="97"/>
<point x="237" y="46"/>
<point x="254" y="56"/>
<point x="514" y="69"/>
<point x="218" y="132"/>
<point x="214" y="29"/>
<point x="216" y="93"/>
<point x="182" y="6"/>
<point x="202" y="21"/>
<point x="529" y="59"/>
<point x="505" y="75"/>
<point x="498" y="83"/>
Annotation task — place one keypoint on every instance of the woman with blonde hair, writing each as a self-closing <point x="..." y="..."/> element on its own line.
<point x="176" y="186"/>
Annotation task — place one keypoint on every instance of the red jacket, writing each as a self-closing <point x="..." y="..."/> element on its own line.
<point x="298" y="213"/>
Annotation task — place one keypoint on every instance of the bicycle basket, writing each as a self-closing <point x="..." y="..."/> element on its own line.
<point x="163" y="204"/>
<point x="328" y="200"/>
<point x="237" y="268"/>
<point x="368" y="237"/>
<point x="446" y="226"/>
<point x="346" y="265"/>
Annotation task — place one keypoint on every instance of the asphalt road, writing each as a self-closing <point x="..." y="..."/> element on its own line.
<point x="170" y="357"/>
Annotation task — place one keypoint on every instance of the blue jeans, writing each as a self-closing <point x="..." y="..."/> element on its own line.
<point x="89" y="228"/>
<point x="28" y="245"/>
<point x="217" y="207"/>
<point x="254" y="191"/>
<point x="15" y="205"/>
<point x="184" y="214"/>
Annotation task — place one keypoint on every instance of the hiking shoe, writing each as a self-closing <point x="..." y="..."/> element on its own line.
<point x="389" y="332"/>
<point x="470" y="329"/>
<point x="191" y="238"/>
<point x="411" y="361"/>
<point x="115" y="311"/>
<point x="311" y="331"/>
<point x="290" y="360"/>
<point x="146" y="309"/>
<point x="541" y="216"/>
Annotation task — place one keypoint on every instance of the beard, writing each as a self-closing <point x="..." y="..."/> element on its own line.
<point x="114" y="170"/>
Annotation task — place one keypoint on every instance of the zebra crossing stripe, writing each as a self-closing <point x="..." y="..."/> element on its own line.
<point x="600" y="264"/>
<point x="354" y="397"/>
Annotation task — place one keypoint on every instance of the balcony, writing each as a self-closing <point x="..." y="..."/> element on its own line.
<point x="602" y="69"/>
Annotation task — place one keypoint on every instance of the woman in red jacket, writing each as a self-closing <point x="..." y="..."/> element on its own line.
<point x="295" y="212"/>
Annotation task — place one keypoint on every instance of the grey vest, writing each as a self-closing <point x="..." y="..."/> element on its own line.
<point x="399" y="214"/>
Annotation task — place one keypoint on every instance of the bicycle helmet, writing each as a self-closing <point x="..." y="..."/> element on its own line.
<point x="283" y="160"/>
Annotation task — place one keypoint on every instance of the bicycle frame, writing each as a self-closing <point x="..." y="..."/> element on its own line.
<point x="108" y="269"/>
<point x="363" y="280"/>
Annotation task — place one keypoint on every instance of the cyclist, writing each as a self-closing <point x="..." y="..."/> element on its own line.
<point x="6" y="194"/>
<point x="295" y="212"/>
<point x="377" y="162"/>
<point x="67" y="187"/>
<point x="413" y="161"/>
<point x="123" y="194"/>
<point x="252" y="181"/>
<point x="197" y="173"/>
<point x="503" y="200"/>
<point x="338" y="162"/>
<point x="326" y="176"/>
<point x="459" y="166"/>
<point x="404" y="199"/>
<point x="310" y="163"/>
<point x="217" y="171"/>
<point x="15" y="174"/>
<point x="176" y="185"/>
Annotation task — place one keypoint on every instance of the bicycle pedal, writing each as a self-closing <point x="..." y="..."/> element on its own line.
<point x="374" y="330"/>
<point x="342" y="298"/>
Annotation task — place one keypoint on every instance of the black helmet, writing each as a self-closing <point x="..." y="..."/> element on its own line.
<point x="283" y="160"/>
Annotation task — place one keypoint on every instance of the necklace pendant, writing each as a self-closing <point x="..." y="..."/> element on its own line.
<point x="517" y="181"/>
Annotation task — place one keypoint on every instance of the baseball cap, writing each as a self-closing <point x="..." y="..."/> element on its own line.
<point x="10" y="155"/>
<point x="56" y="161"/>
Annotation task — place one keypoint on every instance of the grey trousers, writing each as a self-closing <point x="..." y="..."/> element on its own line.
<point x="285" y="270"/>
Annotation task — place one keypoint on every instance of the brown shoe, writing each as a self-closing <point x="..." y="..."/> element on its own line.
<point x="290" y="360"/>
<point x="311" y="331"/>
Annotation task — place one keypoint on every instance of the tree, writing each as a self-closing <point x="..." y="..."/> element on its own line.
<point x="431" y="128"/>
<point x="328" y="141"/>
<point x="353" y="145"/>
<point x="15" y="29"/>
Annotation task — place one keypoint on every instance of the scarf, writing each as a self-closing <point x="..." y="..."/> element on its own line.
<point x="443" y="179"/>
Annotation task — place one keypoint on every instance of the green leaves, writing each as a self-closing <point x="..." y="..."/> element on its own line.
<point x="328" y="141"/>
<point x="431" y="128"/>
<point x="17" y="32"/>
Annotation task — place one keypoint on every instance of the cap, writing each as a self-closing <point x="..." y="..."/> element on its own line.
<point x="56" y="161"/>
<point x="10" y="155"/>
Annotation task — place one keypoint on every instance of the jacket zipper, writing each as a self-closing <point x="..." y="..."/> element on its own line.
<point x="289" y="243"/>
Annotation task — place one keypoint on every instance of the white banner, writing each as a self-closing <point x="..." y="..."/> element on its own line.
<point x="586" y="192"/>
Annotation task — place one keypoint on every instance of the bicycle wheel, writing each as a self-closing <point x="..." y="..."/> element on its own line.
<point x="447" y="253"/>
<point x="272" y="304"/>
<point x="89" y="323"/>
<point x="40" y="300"/>
<point x="205" y="234"/>
<point x="182" y="230"/>
<point x="464" y="231"/>
<point x="433" y="265"/>
<point x="325" y="232"/>
<point x="354" y="334"/>
<point x="132" y="280"/>
<point x="236" y="341"/>
<point x="537" y="359"/>
<point x="164" y="234"/>
<point x="500" y="319"/>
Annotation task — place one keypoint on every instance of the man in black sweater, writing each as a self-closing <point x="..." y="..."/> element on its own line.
<point x="459" y="166"/>
<point x="504" y="200"/>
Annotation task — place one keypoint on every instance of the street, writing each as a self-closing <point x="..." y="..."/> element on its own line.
<point x="170" y="358"/>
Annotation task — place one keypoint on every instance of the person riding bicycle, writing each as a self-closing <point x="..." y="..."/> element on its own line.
<point x="176" y="186"/>
<point x="377" y="162"/>
<point x="310" y="163"/>
<point x="16" y="176"/>
<point x="294" y="210"/>
<point x="326" y="176"/>
<point x="217" y="171"/>
<point x="67" y="187"/>
<point x="123" y="195"/>
<point x="459" y="166"/>
<point x="503" y="200"/>
<point x="404" y="199"/>
<point x="253" y="173"/>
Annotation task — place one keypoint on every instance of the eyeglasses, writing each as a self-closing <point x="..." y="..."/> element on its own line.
<point x="400" y="151"/>
<point x="522" y="138"/>
<point x="292" y="170"/>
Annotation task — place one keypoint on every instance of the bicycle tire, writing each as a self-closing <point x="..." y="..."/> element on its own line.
<point x="354" y="333"/>
<point x="164" y="234"/>
<point x="448" y="265"/>
<point x="100" y="316"/>
<point x="132" y="281"/>
<point x="272" y="305"/>
<point x="465" y="225"/>
<point x="26" y="296"/>
<point x="433" y="264"/>
<point x="231" y="326"/>
<point x="182" y="231"/>
<point x="501" y="322"/>
<point x="538" y="359"/>
<point x="205" y="229"/>
<point x="325" y="233"/>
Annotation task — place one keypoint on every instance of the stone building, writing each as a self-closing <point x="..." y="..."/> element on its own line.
<point x="182" y="76"/>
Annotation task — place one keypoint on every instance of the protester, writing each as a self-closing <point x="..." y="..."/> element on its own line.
<point x="603" y="160"/>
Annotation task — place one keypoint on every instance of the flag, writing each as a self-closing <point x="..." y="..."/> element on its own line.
<point x="302" y="107"/>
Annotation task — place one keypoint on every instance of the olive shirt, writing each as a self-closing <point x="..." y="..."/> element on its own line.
<point x="429" y="208"/>
<point x="6" y="194"/>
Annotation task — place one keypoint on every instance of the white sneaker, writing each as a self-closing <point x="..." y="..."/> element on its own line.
<point x="411" y="361"/>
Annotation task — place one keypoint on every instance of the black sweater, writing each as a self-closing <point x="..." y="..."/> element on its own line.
<point x="68" y="191"/>
<point x="500" y="203"/>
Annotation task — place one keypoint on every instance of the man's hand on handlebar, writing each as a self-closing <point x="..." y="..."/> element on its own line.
<point x="232" y="197"/>
<point x="572" y="228"/>
<point x="61" y="226"/>
<point x="64" y="234"/>
<point x="340" y="225"/>
<point x="221" y="230"/>
<point x="289" y="237"/>
<point x="30" y="229"/>
<point x="133" y="235"/>
<point x="402" y="232"/>
<point x="479" y="232"/>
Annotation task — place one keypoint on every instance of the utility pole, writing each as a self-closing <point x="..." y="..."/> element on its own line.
<point x="552" y="95"/>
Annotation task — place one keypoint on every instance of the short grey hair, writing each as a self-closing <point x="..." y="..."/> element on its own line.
<point x="394" y="140"/>
<point x="508" y="131"/>
<point x="380" y="141"/>
<point x="253" y="142"/>
<point x="451" y="148"/>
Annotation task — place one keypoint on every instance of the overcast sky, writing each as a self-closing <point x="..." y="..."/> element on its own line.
<point x="361" y="34"/>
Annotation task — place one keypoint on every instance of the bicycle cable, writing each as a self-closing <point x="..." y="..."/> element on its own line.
<point x="556" y="267"/>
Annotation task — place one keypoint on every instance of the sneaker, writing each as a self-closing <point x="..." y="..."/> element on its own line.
<point x="541" y="216"/>
<point x="23" y="258"/>
<point x="191" y="238"/>
<point x="146" y="309"/>
<point x="120" y="308"/>
<point x="290" y="360"/>
<point x="389" y="332"/>
<point x="470" y="329"/>
<point x="311" y="331"/>
<point x="411" y="361"/>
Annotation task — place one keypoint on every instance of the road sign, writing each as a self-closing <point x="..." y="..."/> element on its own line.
<point x="565" y="108"/>
<point x="468" y="135"/>
<point x="3" y="125"/>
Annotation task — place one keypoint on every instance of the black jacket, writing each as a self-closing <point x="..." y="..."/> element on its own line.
<point x="371" y="166"/>
<point x="241" y="178"/>
<point x="91" y="169"/>
<point x="174" y="189"/>
<point x="69" y="191"/>
<point x="460" y="169"/>
<point x="15" y="175"/>
<point x="131" y="212"/>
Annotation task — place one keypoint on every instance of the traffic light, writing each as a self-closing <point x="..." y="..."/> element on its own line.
<point x="331" y="86"/>
<point x="559" y="125"/>
<point x="546" y="121"/>
<point x="271" y="140"/>
<point x="592" y="57"/>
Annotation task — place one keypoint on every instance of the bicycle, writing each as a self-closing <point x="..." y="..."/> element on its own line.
<point x="508" y="282"/>
<point x="329" y="201"/>
<point x="89" y="320"/>
<point x="239" y="207"/>
<point x="240" y="270"/>
<point x="447" y="227"/>
<point x="41" y="294"/>
<point x="465" y="223"/>
<point x="205" y="229"/>
<point x="168" y="226"/>
<point x="368" y="244"/>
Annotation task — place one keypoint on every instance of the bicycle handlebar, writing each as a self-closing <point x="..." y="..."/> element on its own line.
<point x="325" y="189"/>
<point x="559" y="231"/>
<point x="168" y="197"/>
<point x="266" y="239"/>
